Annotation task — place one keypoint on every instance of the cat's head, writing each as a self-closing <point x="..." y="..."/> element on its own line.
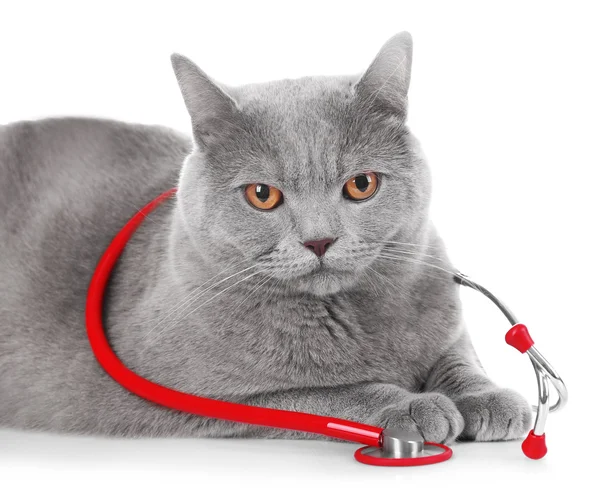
<point x="307" y="177"/>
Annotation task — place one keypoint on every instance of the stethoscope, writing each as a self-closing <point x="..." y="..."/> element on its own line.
<point x="386" y="447"/>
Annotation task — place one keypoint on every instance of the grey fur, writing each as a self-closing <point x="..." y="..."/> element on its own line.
<point x="368" y="338"/>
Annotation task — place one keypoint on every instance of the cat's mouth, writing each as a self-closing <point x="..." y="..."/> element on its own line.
<point x="331" y="268"/>
<point x="324" y="279"/>
<point x="320" y="276"/>
<point x="322" y="269"/>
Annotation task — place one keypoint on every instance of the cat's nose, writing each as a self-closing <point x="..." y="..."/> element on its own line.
<point x="320" y="246"/>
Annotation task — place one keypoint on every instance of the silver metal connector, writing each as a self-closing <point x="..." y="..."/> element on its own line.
<point x="397" y="443"/>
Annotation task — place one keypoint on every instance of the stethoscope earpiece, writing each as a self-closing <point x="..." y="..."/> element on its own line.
<point x="534" y="446"/>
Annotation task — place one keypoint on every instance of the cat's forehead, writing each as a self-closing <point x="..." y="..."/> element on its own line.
<point x="295" y="95"/>
<point x="309" y="106"/>
<point x="303" y="124"/>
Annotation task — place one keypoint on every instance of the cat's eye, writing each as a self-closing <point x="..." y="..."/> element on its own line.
<point x="263" y="196"/>
<point x="361" y="187"/>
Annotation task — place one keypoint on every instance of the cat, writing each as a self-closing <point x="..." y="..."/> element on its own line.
<point x="296" y="267"/>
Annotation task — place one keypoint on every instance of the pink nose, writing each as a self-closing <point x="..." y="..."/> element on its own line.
<point x="319" y="247"/>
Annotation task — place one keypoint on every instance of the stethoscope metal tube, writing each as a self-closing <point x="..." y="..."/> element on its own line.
<point x="384" y="447"/>
<point x="464" y="280"/>
<point x="534" y="445"/>
<point x="540" y="362"/>
<point x="543" y="407"/>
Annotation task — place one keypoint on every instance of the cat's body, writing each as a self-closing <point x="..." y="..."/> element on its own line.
<point x="204" y="303"/>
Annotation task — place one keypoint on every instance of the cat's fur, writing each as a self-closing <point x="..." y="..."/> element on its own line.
<point x="369" y="338"/>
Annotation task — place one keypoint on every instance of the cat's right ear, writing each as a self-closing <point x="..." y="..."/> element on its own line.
<point x="212" y="110"/>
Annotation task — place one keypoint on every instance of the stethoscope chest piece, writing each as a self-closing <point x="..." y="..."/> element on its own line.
<point x="403" y="448"/>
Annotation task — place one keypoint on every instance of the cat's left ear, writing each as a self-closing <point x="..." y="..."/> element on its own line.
<point x="385" y="83"/>
<point x="214" y="113"/>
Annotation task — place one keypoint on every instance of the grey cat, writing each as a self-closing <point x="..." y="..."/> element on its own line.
<point x="296" y="268"/>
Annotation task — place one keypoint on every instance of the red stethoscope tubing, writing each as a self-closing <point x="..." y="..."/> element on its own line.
<point x="188" y="403"/>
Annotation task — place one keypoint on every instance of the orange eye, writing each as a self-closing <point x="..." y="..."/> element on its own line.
<point x="361" y="187"/>
<point x="263" y="197"/>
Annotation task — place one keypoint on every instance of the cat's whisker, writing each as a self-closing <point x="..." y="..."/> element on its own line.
<point x="375" y="285"/>
<point x="273" y="289"/>
<point x="195" y="289"/>
<point x="191" y="301"/>
<point x="419" y="262"/>
<point x="394" y="285"/>
<point x="412" y="244"/>
<point x="238" y="306"/>
<point x="425" y="273"/>
<point x="415" y="253"/>
<point x="429" y="273"/>
<point x="193" y="295"/>
<point x="213" y="297"/>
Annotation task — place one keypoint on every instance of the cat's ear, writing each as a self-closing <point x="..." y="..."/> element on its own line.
<point x="213" y="112"/>
<point x="385" y="83"/>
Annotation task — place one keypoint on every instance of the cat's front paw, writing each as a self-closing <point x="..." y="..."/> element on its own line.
<point x="494" y="415"/>
<point x="434" y="416"/>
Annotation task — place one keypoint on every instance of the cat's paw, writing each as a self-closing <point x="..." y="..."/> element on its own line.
<point x="494" y="415"/>
<point x="432" y="415"/>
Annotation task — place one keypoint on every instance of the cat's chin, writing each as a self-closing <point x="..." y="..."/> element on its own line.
<point x="323" y="283"/>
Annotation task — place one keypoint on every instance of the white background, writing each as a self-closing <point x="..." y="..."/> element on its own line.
<point x="505" y="99"/>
